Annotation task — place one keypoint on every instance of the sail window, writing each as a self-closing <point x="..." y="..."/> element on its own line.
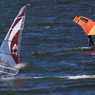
<point x="85" y="20"/>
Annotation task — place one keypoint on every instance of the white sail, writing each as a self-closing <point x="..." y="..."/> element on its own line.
<point x="10" y="48"/>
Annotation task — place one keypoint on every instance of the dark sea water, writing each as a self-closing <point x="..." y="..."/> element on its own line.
<point x="54" y="48"/>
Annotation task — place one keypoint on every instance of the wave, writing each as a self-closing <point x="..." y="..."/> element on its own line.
<point x="79" y="77"/>
<point x="64" y="77"/>
<point x="55" y="77"/>
<point x="78" y="48"/>
<point x="66" y="49"/>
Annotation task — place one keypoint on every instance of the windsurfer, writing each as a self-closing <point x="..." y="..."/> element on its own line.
<point x="90" y="41"/>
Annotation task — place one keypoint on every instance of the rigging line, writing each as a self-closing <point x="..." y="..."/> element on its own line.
<point x="9" y="54"/>
<point x="8" y="73"/>
<point x="8" y="66"/>
<point x="12" y="41"/>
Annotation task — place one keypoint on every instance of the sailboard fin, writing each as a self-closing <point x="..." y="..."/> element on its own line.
<point x="87" y="24"/>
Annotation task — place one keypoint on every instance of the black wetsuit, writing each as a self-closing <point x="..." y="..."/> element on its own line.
<point x="90" y="41"/>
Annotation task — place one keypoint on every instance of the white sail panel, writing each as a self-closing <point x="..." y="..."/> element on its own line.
<point x="14" y="31"/>
<point x="10" y="48"/>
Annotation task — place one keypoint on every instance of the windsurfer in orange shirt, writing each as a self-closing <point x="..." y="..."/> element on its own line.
<point x="90" y="41"/>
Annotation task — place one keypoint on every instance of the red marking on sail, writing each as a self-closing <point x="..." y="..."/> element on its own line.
<point x="14" y="24"/>
<point x="87" y="24"/>
<point x="23" y="12"/>
<point x="17" y="20"/>
<point x="14" y="47"/>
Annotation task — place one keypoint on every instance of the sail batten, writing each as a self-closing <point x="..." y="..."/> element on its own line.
<point x="9" y="54"/>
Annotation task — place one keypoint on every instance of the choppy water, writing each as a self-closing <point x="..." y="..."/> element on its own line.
<point x="55" y="49"/>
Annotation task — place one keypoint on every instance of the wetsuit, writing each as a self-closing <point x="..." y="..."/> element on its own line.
<point x="90" y="41"/>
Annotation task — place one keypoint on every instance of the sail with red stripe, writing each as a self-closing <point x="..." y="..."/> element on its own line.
<point x="10" y="48"/>
<point x="87" y="24"/>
